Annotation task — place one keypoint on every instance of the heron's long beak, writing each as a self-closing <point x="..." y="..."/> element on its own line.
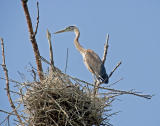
<point x="60" y="31"/>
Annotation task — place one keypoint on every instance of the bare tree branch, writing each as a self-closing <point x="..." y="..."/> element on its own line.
<point x="6" y="119"/>
<point x="114" y="82"/>
<point x="50" y="48"/>
<point x="105" y="49"/>
<point x="7" y="84"/>
<point x="46" y="61"/>
<point x="33" y="72"/>
<point x="115" y="69"/>
<point x="119" y="92"/>
<point x="37" y="19"/>
<point x="33" y="39"/>
<point x="66" y="62"/>
<point x="9" y="113"/>
<point x="131" y="92"/>
<point x="10" y="80"/>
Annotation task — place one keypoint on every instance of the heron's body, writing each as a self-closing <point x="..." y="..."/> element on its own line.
<point x="90" y="58"/>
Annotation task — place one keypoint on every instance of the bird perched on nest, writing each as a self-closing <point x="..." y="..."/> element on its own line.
<point x="90" y="58"/>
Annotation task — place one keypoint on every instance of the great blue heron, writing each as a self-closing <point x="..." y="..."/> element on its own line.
<point x="90" y="58"/>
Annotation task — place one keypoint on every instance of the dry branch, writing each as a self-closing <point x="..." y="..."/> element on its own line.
<point x="7" y="84"/>
<point x="6" y="119"/>
<point x="33" y="39"/>
<point x="105" y="49"/>
<point x="50" y="48"/>
<point x="115" y="69"/>
<point x="66" y="62"/>
<point x="120" y="92"/>
<point x="10" y="80"/>
<point x="9" y="113"/>
<point x="37" y="19"/>
<point x="46" y="61"/>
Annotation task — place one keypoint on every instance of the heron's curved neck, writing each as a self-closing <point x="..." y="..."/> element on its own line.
<point x="76" y="42"/>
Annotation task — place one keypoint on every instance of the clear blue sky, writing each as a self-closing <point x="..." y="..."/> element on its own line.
<point x="134" y="29"/>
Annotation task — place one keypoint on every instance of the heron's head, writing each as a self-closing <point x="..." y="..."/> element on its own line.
<point x="67" y="29"/>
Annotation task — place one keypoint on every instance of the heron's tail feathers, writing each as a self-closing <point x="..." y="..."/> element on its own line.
<point x="104" y="78"/>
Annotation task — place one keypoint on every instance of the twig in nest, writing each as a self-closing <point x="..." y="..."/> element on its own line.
<point x="33" y="40"/>
<point x="46" y="61"/>
<point x="59" y="106"/>
<point x="66" y="61"/>
<point x="50" y="48"/>
<point x="10" y="80"/>
<point x="37" y="19"/>
<point x="33" y="72"/>
<point x="82" y="81"/>
<point x="7" y="84"/>
<point x="105" y="49"/>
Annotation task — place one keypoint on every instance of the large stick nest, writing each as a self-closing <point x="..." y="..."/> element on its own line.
<point x="57" y="101"/>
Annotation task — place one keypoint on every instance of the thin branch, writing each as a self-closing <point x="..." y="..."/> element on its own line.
<point x="105" y="49"/>
<point x="9" y="113"/>
<point x="33" y="40"/>
<point x="46" y="61"/>
<point x="82" y="81"/>
<point x="66" y="62"/>
<point x="37" y="19"/>
<point x="115" y="69"/>
<point x="115" y="82"/>
<point x="33" y="72"/>
<point x="7" y="83"/>
<point x="13" y="92"/>
<point x="50" y="48"/>
<point x="10" y="80"/>
<point x="6" y="119"/>
<point x="120" y="92"/>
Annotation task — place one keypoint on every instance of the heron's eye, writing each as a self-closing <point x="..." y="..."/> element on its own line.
<point x="71" y="27"/>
